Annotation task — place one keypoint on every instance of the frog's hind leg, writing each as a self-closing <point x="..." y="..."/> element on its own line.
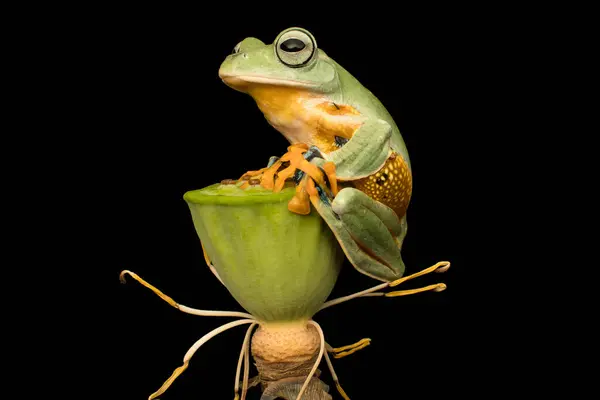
<point x="363" y="259"/>
<point x="368" y="231"/>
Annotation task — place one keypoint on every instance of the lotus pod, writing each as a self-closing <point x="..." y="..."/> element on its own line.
<point x="278" y="265"/>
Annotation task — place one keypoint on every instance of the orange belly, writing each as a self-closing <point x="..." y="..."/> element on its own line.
<point x="392" y="185"/>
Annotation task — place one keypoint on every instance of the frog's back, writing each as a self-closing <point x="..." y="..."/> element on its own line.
<point x="363" y="100"/>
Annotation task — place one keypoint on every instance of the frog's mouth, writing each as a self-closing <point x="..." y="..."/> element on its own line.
<point x="243" y="82"/>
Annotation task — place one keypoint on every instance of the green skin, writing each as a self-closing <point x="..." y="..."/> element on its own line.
<point x="358" y="221"/>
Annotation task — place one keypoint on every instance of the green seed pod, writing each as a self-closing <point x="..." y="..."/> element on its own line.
<point x="278" y="265"/>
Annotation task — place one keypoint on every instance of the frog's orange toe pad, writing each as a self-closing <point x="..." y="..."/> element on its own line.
<point x="299" y="204"/>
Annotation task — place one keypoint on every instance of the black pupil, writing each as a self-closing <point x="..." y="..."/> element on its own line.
<point x="292" y="45"/>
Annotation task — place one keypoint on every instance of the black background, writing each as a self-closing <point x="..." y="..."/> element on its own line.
<point x="161" y="123"/>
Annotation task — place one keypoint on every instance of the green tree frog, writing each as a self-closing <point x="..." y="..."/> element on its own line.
<point x="346" y="153"/>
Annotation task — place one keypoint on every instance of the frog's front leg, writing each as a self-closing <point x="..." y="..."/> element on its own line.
<point x="365" y="153"/>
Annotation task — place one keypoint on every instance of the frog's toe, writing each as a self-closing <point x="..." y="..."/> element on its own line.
<point x="300" y="203"/>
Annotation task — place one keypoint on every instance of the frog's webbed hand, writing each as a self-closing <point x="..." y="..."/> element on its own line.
<point x="365" y="153"/>
<point x="295" y="168"/>
<point x="279" y="169"/>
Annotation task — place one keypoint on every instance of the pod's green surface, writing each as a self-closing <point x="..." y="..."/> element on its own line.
<point x="280" y="266"/>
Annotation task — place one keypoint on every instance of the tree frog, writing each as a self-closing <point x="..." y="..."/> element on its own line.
<point x="346" y="152"/>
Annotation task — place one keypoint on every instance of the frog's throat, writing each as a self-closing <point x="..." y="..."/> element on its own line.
<point x="242" y="82"/>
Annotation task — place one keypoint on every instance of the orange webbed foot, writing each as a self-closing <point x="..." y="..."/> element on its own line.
<point x="275" y="176"/>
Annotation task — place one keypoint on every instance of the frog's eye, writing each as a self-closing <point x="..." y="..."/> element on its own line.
<point x="236" y="49"/>
<point x="295" y="48"/>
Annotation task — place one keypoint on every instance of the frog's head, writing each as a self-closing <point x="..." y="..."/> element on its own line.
<point x="292" y="60"/>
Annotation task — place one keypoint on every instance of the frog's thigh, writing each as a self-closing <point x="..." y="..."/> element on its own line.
<point x="372" y="225"/>
<point x="350" y="198"/>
